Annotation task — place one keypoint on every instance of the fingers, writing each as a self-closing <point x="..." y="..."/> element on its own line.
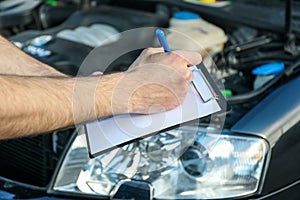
<point x="179" y="60"/>
<point x="187" y="59"/>
<point x="192" y="57"/>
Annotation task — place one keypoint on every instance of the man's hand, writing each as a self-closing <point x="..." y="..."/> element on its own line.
<point x="155" y="82"/>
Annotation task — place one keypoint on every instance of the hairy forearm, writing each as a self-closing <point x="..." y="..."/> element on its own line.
<point x="16" y="62"/>
<point x="32" y="105"/>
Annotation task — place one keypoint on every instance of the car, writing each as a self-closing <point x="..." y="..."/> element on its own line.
<point x="251" y="151"/>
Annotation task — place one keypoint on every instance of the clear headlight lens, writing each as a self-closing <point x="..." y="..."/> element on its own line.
<point x="212" y="166"/>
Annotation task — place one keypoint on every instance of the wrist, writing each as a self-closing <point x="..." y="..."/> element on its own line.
<point x="108" y="97"/>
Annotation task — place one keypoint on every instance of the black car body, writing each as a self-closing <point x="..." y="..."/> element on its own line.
<point x="49" y="166"/>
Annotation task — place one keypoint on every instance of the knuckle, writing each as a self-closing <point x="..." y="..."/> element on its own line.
<point x="147" y="50"/>
<point x="189" y="75"/>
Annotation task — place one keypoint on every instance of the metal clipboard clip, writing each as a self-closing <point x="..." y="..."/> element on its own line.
<point x="202" y="86"/>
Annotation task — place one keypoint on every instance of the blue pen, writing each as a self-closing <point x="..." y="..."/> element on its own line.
<point x="162" y="40"/>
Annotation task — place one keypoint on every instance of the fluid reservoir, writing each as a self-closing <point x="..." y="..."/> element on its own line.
<point x="265" y="73"/>
<point x="189" y="31"/>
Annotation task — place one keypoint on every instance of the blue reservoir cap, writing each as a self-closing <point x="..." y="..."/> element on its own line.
<point x="185" y="15"/>
<point x="269" y="69"/>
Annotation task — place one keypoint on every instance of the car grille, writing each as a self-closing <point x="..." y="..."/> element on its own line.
<point x="31" y="160"/>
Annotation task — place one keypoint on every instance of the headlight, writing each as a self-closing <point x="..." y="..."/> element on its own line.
<point x="213" y="166"/>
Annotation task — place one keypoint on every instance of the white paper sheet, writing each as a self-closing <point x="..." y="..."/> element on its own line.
<point x="110" y="132"/>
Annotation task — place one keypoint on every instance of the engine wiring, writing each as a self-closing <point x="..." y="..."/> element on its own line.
<point x="243" y="55"/>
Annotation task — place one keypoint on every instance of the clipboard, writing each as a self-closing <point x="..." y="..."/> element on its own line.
<point x="203" y="99"/>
